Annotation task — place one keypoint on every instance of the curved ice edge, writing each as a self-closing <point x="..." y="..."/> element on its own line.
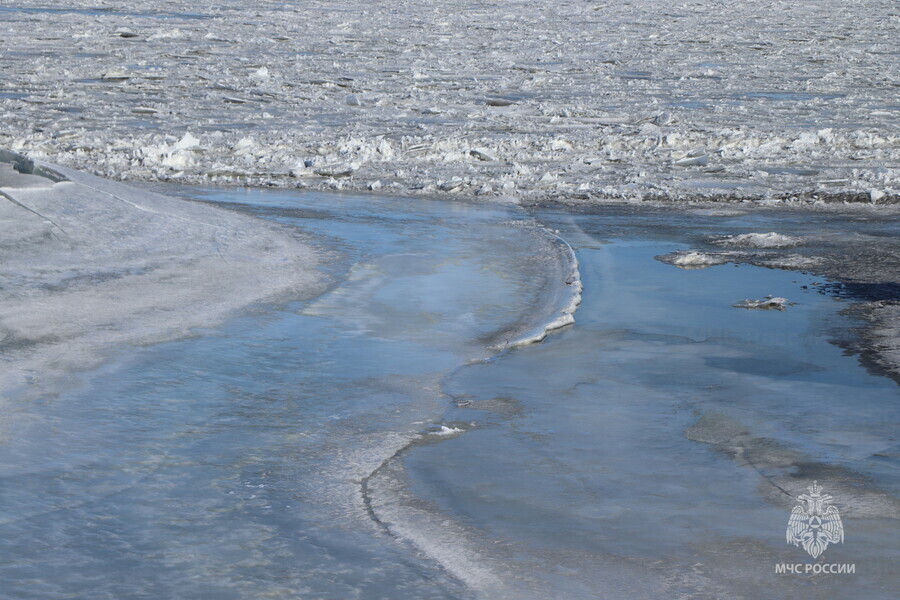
<point x="437" y="537"/>
<point x="451" y="551"/>
<point x="566" y="314"/>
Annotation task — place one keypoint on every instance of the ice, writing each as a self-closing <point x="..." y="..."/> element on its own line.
<point x="582" y="478"/>
<point x="767" y="303"/>
<point x="260" y="74"/>
<point x="600" y="101"/>
<point x="109" y="264"/>
<point x="692" y="160"/>
<point x="444" y="430"/>
<point x="692" y="259"/>
<point x="759" y="240"/>
<point x="374" y="422"/>
<point x="762" y="249"/>
<point x="187" y="142"/>
<point x="884" y="335"/>
<point x="787" y="261"/>
<point x="335" y="171"/>
<point x="557" y="309"/>
<point x="482" y="154"/>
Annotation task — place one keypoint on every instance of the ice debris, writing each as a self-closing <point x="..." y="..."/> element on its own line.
<point x="186" y="142"/>
<point x="692" y="159"/>
<point x="482" y="154"/>
<point x="692" y="259"/>
<point x="672" y="130"/>
<point x="261" y="74"/>
<point x="443" y="430"/>
<point x="767" y="303"/>
<point x="759" y="240"/>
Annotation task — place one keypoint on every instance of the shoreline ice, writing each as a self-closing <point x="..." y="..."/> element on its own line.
<point x="89" y="265"/>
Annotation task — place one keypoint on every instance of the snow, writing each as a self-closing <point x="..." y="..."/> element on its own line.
<point x="578" y="101"/>
<point x="759" y="240"/>
<point x="795" y="262"/>
<point x="109" y="264"/>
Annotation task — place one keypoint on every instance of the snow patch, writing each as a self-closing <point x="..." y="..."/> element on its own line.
<point x="759" y="240"/>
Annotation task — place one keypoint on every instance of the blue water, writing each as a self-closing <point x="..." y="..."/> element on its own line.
<point x="585" y="469"/>
<point x="648" y="451"/>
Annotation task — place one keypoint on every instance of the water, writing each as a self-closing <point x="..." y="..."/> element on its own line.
<point x="229" y="465"/>
<point x="647" y="451"/>
<point x="586" y="467"/>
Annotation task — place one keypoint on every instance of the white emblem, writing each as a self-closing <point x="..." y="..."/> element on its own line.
<point x="816" y="525"/>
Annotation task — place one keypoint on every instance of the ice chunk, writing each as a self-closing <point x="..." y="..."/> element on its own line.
<point x="186" y="142"/>
<point x="335" y="171"/>
<point x="443" y="430"/>
<point x="692" y="160"/>
<point x="788" y="261"/>
<point x="759" y="240"/>
<point x="115" y="75"/>
<point x="261" y="74"/>
<point x="767" y="303"/>
<point x="692" y="259"/>
<point x="482" y="154"/>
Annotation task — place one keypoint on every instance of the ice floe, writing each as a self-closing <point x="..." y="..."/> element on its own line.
<point x="541" y="102"/>
<point x="89" y="264"/>
<point x="693" y="259"/>
<point x="759" y="240"/>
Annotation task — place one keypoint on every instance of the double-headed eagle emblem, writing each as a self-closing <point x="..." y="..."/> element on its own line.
<point x="816" y="525"/>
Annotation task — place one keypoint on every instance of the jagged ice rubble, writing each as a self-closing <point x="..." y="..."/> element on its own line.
<point x="578" y="101"/>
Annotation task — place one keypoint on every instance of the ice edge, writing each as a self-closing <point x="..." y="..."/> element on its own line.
<point x="566" y="315"/>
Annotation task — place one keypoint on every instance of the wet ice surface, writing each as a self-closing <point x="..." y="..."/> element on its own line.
<point x="652" y="450"/>
<point x="368" y="443"/>
<point x="87" y="264"/>
<point x="577" y="100"/>
<point x="230" y="465"/>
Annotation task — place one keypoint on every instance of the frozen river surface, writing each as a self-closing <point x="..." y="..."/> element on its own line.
<point x="389" y="439"/>
<point x="578" y="100"/>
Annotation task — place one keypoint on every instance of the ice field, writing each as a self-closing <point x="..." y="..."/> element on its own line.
<point x="466" y="300"/>
<point x="577" y="101"/>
